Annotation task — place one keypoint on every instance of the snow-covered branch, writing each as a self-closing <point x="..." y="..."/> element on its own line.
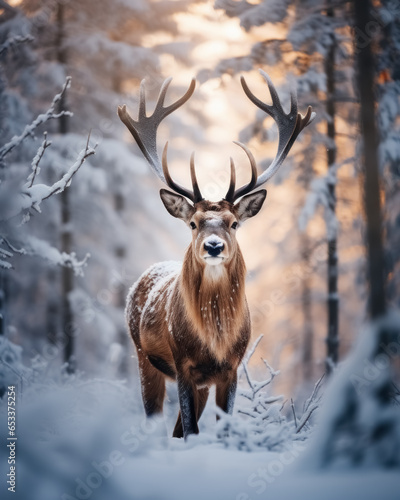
<point x="41" y="248"/>
<point x="306" y="417"/>
<point x="7" y="254"/>
<point x="33" y="195"/>
<point x="310" y="406"/>
<point x="50" y="114"/>
<point x="13" y="42"/>
<point x="255" y="386"/>
<point x="22" y="199"/>
<point x="34" y="246"/>
<point x="35" y="162"/>
<point x="259" y="401"/>
<point x="259" y="420"/>
<point x="314" y="393"/>
<point x="40" y="192"/>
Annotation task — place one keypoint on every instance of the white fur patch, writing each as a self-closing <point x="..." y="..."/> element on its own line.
<point x="214" y="269"/>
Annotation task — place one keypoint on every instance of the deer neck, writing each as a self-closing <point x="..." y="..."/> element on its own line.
<point x="214" y="297"/>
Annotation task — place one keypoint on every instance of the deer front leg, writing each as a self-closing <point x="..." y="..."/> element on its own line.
<point x="202" y="396"/>
<point x="152" y="384"/>
<point x="188" y="404"/>
<point x="225" y="393"/>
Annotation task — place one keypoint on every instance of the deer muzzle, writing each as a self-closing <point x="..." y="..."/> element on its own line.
<point x="214" y="246"/>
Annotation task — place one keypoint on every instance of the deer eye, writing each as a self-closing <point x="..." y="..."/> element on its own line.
<point x="234" y="225"/>
<point x="193" y="225"/>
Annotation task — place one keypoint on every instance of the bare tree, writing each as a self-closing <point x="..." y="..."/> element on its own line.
<point x="306" y="305"/>
<point x="332" y="340"/>
<point x="360" y="422"/>
<point x="67" y="276"/>
<point x="370" y="140"/>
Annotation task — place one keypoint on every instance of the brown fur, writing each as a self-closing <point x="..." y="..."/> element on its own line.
<point x="191" y="322"/>
<point x="216" y="307"/>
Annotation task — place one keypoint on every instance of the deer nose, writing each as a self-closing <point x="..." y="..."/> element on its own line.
<point x="214" y="248"/>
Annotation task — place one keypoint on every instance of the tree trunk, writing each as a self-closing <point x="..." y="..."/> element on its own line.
<point x="389" y="79"/>
<point x="52" y="309"/>
<point x="67" y="280"/>
<point x="359" y="412"/>
<point x="308" y="340"/>
<point x="120" y="253"/>
<point x="372" y="202"/>
<point x="333" y="297"/>
<point x="67" y="276"/>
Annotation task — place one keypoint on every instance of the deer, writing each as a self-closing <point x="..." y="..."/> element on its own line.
<point x="190" y="321"/>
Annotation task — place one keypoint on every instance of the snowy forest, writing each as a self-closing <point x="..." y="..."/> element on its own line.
<point x="317" y="408"/>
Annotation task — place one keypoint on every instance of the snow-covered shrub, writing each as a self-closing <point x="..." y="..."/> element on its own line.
<point x="12" y="369"/>
<point x="359" y="424"/>
<point x="260" y="420"/>
<point x="68" y="425"/>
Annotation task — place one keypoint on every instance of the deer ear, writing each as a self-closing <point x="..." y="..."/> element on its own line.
<point x="250" y="205"/>
<point x="177" y="205"/>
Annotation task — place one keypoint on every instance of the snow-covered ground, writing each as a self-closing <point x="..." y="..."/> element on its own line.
<point x="81" y="438"/>
<point x="199" y="471"/>
<point x="204" y="472"/>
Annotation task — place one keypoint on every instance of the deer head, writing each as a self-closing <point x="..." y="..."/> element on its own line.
<point x="214" y="224"/>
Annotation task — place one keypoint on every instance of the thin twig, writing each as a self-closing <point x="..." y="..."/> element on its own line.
<point x="294" y="412"/>
<point x="273" y="372"/>
<point x="244" y="412"/>
<point x="260" y="385"/>
<point x="314" y="392"/>
<point x="35" y="162"/>
<point x="306" y="417"/>
<point x="33" y="196"/>
<point x="5" y="253"/>
<point x="244" y="364"/>
<point x="270" y="401"/>
<point x="5" y="265"/>
<point x="59" y="186"/>
<point x="20" y="251"/>
<point x="257" y="386"/>
<point x="280" y="410"/>
<point x="247" y="359"/>
<point x="42" y="118"/>
<point x="252" y="349"/>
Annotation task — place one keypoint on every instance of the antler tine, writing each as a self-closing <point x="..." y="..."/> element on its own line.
<point x="196" y="190"/>
<point x="307" y="119"/>
<point x="130" y="123"/>
<point x="289" y="126"/>
<point x="177" y="104"/>
<point x="301" y="123"/>
<point x="293" y="102"/>
<point x="170" y="182"/>
<point x="251" y="185"/>
<point x="163" y="93"/>
<point x="142" y="101"/>
<point x="144" y="129"/>
<point x="232" y="183"/>
<point x="276" y="108"/>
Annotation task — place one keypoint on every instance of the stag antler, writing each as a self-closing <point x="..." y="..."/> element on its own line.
<point x="144" y="131"/>
<point x="289" y="126"/>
